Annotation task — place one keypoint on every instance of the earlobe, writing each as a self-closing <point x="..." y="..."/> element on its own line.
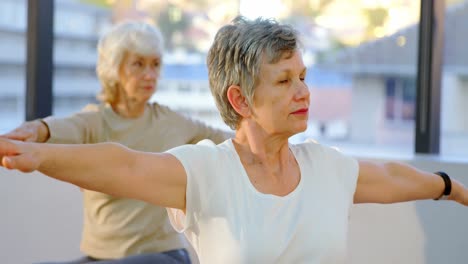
<point x="238" y="101"/>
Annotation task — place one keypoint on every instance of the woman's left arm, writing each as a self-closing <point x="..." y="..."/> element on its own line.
<point x="394" y="182"/>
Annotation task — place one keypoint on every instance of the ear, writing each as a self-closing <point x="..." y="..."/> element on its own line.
<point x="238" y="101"/>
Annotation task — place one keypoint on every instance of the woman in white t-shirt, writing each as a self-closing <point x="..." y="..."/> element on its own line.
<point x="255" y="198"/>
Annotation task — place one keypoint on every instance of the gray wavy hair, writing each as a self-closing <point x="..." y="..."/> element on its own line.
<point x="236" y="55"/>
<point x="129" y="36"/>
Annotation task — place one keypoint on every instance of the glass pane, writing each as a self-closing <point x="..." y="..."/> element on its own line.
<point x="362" y="71"/>
<point x="188" y="28"/>
<point x="77" y="27"/>
<point x="454" y="107"/>
<point x="12" y="63"/>
<point x="361" y="58"/>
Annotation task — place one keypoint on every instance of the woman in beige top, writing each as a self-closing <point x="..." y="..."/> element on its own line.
<point x="128" y="67"/>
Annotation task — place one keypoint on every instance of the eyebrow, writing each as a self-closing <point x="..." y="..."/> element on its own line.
<point x="287" y="71"/>
<point x="142" y="56"/>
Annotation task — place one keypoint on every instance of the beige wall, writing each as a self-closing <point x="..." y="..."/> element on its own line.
<point x="41" y="221"/>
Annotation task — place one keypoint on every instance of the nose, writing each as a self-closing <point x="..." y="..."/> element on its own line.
<point x="150" y="73"/>
<point x="302" y="91"/>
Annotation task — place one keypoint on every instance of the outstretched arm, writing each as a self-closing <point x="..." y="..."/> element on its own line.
<point x="107" y="167"/>
<point x="30" y="131"/>
<point x="394" y="182"/>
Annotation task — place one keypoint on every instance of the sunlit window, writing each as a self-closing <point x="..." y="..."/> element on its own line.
<point x="12" y="63"/>
<point x="454" y="107"/>
<point x="361" y="58"/>
<point x="77" y="27"/>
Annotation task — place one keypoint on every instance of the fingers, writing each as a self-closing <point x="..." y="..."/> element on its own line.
<point x="8" y="147"/>
<point x="19" y="135"/>
<point x="14" y="155"/>
<point x="23" y="162"/>
<point x="7" y="163"/>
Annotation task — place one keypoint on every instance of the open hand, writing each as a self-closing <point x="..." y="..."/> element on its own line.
<point x="18" y="155"/>
<point x="32" y="131"/>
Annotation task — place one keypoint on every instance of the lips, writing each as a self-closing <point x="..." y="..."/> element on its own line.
<point x="148" y="87"/>
<point x="301" y="111"/>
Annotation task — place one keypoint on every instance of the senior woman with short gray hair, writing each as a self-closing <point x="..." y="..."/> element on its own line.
<point x="128" y="67"/>
<point x="255" y="198"/>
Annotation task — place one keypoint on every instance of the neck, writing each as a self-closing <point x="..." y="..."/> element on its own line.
<point x="255" y="146"/>
<point x="129" y="109"/>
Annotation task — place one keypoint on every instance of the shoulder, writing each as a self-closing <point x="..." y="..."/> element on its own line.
<point x="313" y="147"/>
<point x="92" y="108"/>
<point x="174" y="117"/>
<point x="88" y="113"/>
<point x="330" y="161"/>
<point x="161" y="110"/>
<point x="204" y="154"/>
<point x="91" y="111"/>
<point x="325" y="157"/>
<point x="202" y="162"/>
<point x="201" y="151"/>
<point x="96" y="113"/>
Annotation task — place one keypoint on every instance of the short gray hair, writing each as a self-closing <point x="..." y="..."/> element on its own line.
<point x="128" y="36"/>
<point x="236" y="56"/>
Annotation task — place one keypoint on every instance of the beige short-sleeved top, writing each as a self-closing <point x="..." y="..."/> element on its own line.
<point x="116" y="227"/>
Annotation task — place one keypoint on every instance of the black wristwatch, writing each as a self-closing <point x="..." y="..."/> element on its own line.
<point x="448" y="185"/>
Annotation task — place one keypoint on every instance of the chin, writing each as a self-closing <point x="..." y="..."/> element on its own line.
<point x="149" y="95"/>
<point x="300" y="130"/>
<point x="297" y="130"/>
<point x="302" y="127"/>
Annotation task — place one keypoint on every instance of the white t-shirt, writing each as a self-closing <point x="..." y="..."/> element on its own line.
<point x="229" y="221"/>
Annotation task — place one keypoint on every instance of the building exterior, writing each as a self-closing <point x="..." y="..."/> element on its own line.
<point x="384" y="84"/>
<point x="76" y="30"/>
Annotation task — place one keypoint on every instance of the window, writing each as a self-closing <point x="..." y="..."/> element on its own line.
<point x="363" y="72"/>
<point x="400" y="100"/>
<point x="454" y="91"/>
<point x="12" y="63"/>
<point x="362" y="62"/>
<point x="77" y="27"/>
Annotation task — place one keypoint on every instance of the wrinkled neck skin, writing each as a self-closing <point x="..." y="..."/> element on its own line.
<point x="257" y="147"/>
<point x="128" y="107"/>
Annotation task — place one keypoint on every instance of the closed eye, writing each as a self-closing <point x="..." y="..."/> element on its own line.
<point x="138" y="63"/>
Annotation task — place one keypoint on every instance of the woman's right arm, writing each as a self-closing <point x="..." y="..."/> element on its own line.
<point x="107" y="167"/>
<point x="30" y="131"/>
<point x="78" y="128"/>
